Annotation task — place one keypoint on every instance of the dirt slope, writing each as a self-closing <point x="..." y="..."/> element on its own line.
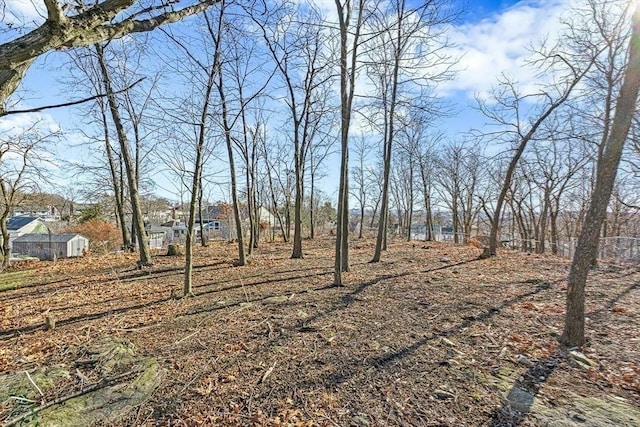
<point x="430" y="336"/>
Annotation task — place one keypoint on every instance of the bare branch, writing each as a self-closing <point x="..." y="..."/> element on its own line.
<point x="90" y="26"/>
<point x="54" y="11"/>
<point x="70" y="103"/>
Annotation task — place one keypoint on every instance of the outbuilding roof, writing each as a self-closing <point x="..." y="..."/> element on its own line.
<point x="17" y="222"/>
<point x="44" y="238"/>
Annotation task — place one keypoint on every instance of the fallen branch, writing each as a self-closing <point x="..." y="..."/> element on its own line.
<point x="21" y="399"/>
<point x="34" y="384"/>
<point x="267" y="373"/>
<point x="185" y="338"/>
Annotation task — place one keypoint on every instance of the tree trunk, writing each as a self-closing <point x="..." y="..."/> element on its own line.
<point x="297" y="207"/>
<point x="410" y="204"/>
<point x="10" y="79"/>
<point x="187" y="289"/>
<point x="96" y="24"/>
<point x="361" y="221"/>
<point x="542" y="235"/>
<point x="374" y="212"/>
<point x="251" y="208"/>
<point x="143" y="245"/>
<point x="115" y="179"/>
<point x="347" y="87"/>
<point x="232" y="171"/>
<point x="428" y="222"/>
<point x="6" y="252"/>
<point x="287" y="217"/>
<point x="384" y="209"/>
<point x="455" y="217"/>
<point x="312" y="208"/>
<point x="204" y="240"/>
<point x="274" y="200"/>
<point x="573" y="334"/>
<point x="554" y="232"/>
<point x="345" y="222"/>
<point x="196" y="183"/>
<point x="134" y="232"/>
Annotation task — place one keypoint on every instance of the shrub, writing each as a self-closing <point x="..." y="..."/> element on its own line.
<point x="103" y="236"/>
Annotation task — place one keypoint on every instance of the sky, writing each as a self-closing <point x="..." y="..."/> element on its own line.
<point x="490" y="38"/>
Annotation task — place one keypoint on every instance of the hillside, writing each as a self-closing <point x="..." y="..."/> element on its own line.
<point x="431" y="336"/>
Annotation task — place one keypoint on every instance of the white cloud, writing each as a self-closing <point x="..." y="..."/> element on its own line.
<point x="14" y="125"/>
<point x="500" y="44"/>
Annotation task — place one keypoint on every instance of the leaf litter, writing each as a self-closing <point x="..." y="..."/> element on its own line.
<point x="429" y="336"/>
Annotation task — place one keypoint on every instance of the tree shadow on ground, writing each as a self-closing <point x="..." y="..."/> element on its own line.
<point x="467" y="321"/>
<point x="350" y="297"/>
<point x="10" y="333"/>
<point x="519" y="400"/>
<point x="271" y="273"/>
<point x="613" y="301"/>
<point x="346" y="372"/>
<point x="43" y="287"/>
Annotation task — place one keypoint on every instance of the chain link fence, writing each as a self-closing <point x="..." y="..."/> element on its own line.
<point x="611" y="250"/>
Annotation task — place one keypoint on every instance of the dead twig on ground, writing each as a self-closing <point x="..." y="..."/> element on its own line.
<point x="102" y="383"/>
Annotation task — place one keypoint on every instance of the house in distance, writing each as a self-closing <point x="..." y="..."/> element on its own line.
<point x="21" y="225"/>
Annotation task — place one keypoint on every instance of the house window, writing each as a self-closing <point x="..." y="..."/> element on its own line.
<point x="212" y="226"/>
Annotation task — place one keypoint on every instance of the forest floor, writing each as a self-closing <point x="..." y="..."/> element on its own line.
<point x="430" y="336"/>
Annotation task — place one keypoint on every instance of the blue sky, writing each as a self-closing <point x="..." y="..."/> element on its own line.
<point x="490" y="38"/>
<point x="477" y="10"/>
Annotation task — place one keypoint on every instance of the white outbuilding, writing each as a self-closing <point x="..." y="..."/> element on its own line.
<point x="50" y="245"/>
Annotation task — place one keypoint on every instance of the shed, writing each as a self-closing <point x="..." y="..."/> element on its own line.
<point x="45" y="246"/>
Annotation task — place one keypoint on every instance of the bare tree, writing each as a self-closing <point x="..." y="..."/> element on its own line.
<point x="107" y="175"/>
<point x="130" y="162"/>
<point x="573" y="333"/>
<point x="361" y="190"/>
<point x="295" y="40"/>
<point x="202" y="70"/>
<point x="427" y="164"/>
<point x="117" y="177"/>
<point x="507" y="112"/>
<point x="278" y="192"/>
<point x="349" y="44"/>
<point x="605" y="25"/>
<point x="460" y="173"/>
<point x="554" y="166"/>
<point x="21" y="169"/>
<point x="402" y="31"/>
<point x="90" y="79"/>
<point x="402" y="183"/>
<point x="243" y="64"/>
<point x="94" y="23"/>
